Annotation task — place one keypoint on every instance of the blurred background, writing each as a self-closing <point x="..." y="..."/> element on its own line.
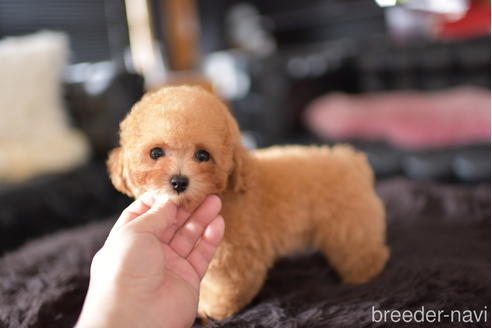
<point x="408" y="82"/>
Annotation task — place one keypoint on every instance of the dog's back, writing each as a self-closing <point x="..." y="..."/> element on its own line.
<point x="323" y="162"/>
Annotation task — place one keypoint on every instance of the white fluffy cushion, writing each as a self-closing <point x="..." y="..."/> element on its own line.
<point x="35" y="136"/>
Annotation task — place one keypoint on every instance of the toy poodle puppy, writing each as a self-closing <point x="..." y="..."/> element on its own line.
<point x="183" y="142"/>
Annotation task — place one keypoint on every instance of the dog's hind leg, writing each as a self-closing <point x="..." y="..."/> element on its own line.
<point x="353" y="240"/>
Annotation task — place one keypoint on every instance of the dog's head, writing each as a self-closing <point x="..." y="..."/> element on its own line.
<point x="180" y="141"/>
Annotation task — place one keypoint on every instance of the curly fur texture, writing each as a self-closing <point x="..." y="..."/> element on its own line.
<point x="276" y="201"/>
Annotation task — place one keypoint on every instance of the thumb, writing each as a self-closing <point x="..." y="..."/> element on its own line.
<point x="160" y="216"/>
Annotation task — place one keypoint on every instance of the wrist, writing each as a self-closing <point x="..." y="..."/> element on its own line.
<point x="105" y="309"/>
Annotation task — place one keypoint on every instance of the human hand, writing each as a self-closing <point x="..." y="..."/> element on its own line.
<point x="148" y="272"/>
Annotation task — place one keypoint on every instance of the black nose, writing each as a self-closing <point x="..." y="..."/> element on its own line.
<point x="179" y="183"/>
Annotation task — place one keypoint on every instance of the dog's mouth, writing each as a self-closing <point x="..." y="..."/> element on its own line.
<point x="189" y="197"/>
<point x="182" y="199"/>
<point x="176" y="195"/>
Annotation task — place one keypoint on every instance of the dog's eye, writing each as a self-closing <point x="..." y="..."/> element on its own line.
<point x="156" y="152"/>
<point x="202" y="155"/>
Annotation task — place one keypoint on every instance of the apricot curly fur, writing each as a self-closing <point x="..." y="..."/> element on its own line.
<point x="275" y="201"/>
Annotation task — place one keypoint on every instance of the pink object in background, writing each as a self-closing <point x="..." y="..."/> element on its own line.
<point x="407" y="119"/>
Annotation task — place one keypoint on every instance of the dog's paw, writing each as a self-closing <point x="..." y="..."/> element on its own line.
<point x="367" y="267"/>
<point x="217" y="314"/>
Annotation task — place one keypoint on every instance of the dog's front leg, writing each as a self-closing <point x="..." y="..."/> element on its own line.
<point x="230" y="285"/>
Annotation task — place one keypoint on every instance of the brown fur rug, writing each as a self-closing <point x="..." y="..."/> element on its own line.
<point x="440" y="241"/>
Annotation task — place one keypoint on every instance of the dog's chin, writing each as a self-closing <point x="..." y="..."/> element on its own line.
<point x="186" y="200"/>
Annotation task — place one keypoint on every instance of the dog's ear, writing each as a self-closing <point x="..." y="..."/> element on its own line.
<point x="239" y="175"/>
<point x="116" y="171"/>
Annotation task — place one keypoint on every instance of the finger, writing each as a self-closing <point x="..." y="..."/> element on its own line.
<point x="135" y="209"/>
<point x="186" y="236"/>
<point x="215" y="231"/>
<point x="181" y="218"/>
<point x="204" y="251"/>
<point x="157" y="219"/>
<point x="170" y="232"/>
